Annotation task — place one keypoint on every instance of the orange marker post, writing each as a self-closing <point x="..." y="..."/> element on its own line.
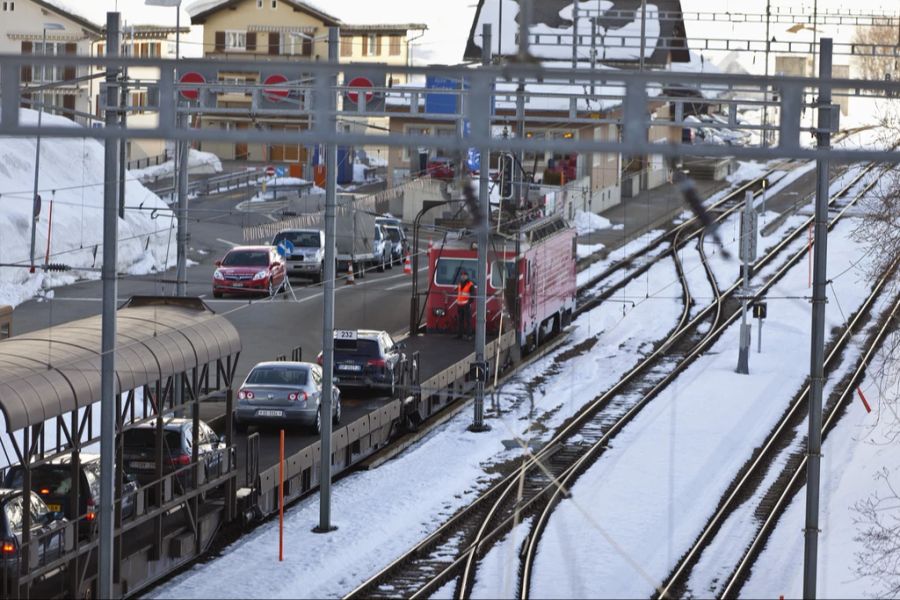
<point x="281" y="498"/>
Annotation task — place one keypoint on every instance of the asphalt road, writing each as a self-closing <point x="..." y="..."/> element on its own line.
<point x="268" y="327"/>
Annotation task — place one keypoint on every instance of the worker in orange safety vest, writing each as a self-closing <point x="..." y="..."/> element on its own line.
<point x="465" y="294"/>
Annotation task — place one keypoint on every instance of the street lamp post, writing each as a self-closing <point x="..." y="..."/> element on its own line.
<point x="36" y="207"/>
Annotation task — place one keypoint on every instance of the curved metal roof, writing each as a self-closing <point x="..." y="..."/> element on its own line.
<point x="48" y="373"/>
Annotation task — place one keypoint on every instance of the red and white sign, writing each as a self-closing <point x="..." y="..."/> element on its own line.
<point x="270" y="170"/>
<point x="359" y="82"/>
<point x="189" y="93"/>
<point x="279" y="91"/>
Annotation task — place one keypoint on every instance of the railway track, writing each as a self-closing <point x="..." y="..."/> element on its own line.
<point x="600" y="445"/>
<point x="790" y="479"/>
<point x="642" y="258"/>
<point x="453" y="549"/>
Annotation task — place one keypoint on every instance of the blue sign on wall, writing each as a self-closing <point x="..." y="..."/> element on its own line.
<point x="441" y="104"/>
<point x="281" y="171"/>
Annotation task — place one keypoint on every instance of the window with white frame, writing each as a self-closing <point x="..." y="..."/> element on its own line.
<point x="259" y="3"/>
<point x="9" y="6"/>
<point x="274" y="4"/>
<point x="235" y="40"/>
<point x="372" y="44"/>
<point x="48" y="72"/>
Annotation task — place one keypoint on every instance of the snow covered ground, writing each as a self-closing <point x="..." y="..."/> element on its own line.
<point x="71" y="176"/>
<point x="383" y="512"/>
<point x="859" y="465"/>
<point x="586" y="222"/>
<point x="199" y="163"/>
<point x="663" y="475"/>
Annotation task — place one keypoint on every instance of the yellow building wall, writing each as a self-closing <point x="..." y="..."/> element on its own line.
<point x="245" y="15"/>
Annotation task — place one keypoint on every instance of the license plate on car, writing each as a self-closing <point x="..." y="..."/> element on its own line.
<point x="237" y="284"/>
<point x="350" y="367"/>
<point x="54" y="507"/>
<point x="141" y="464"/>
<point x="270" y="413"/>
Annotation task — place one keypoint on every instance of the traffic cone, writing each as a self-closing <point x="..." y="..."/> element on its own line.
<point x="407" y="266"/>
<point x="350" y="279"/>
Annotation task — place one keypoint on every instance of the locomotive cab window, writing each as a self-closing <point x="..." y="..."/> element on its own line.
<point x="497" y="274"/>
<point x="449" y="269"/>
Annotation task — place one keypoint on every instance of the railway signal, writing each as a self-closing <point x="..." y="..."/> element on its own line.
<point x="506" y="176"/>
<point x="760" y="310"/>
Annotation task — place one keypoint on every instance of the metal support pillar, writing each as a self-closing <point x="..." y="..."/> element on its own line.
<point x="182" y="232"/>
<point x="575" y="17"/>
<point x="108" y="338"/>
<point x="521" y="186"/>
<point x="593" y="52"/>
<point x="817" y="354"/>
<point x="481" y="111"/>
<point x="325" y="120"/>
<point x="748" y="255"/>
<point x="643" y="33"/>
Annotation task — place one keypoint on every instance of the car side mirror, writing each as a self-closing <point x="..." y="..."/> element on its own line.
<point x="218" y="263"/>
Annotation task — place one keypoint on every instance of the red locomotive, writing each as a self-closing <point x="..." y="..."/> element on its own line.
<point x="531" y="280"/>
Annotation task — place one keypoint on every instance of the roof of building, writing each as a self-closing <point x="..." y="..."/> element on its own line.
<point x="202" y="9"/>
<point x="67" y="9"/>
<point x="617" y="28"/>
<point x="381" y="27"/>
<point x="51" y="372"/>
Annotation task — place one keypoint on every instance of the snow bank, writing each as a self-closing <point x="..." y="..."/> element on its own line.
<point x="747" y="170"/>
<point x="71" y="175"/>
<point x="586" y="222"/>
<point x="199" y="163"/>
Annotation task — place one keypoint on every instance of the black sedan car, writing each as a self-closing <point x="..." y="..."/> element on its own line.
<point x="53" y="483"/>
<point x="139" y="452"/>
<point x="366" y="358"/>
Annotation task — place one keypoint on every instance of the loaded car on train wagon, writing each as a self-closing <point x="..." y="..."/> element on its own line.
<point x="531" y="278"/>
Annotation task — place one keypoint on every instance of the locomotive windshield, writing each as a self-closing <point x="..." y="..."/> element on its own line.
<point x="497" y="273"/>
<point x="449" y="269"/>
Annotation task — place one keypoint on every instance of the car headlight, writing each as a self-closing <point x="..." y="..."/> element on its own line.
<point x="218" y="274"/>
<point x="260" y="275"/>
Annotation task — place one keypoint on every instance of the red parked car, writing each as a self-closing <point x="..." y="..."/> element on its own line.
<point x="249" y="270"/>
<point x="440" y="167"/>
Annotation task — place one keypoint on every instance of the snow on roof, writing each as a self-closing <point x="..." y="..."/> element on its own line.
<point x="134" y="12"/>
<point x="618" y="30"/>
<point x="73" y="10"/>
<point x="201" y="7"/>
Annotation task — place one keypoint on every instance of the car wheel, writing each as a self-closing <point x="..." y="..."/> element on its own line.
<point x="337" y="412"/>
<point x="271" y="288"/>
<point x="318" y="277"/>
<point x="217" y="294"/>
<point x="318" y="425"/>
